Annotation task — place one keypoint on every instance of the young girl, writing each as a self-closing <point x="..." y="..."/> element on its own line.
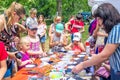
<point x="41" y="32"/>
<point x="24" y="46"/>
<point x="35" y="48"/>
<point x="77" y="45"/>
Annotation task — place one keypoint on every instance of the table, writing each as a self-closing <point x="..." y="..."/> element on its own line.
<point x="24" y="74"/>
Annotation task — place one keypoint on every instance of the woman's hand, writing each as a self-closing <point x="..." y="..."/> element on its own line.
<point x="78" y="68"/>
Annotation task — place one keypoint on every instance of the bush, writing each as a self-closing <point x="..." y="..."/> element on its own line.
<point x="48" y="21"/>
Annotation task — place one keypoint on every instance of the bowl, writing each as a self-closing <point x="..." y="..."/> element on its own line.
<point x="56" y="75"/>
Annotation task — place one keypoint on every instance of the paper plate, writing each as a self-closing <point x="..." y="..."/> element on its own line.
<point x="70" y="67"/>
<point x="76" y="58"/>
<point x="84" y="53"/>
<point x="45" y="59"/>
<point x="81" y="55"/>
<point x="30" y="65"/>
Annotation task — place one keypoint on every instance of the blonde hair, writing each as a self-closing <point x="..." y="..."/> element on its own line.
<point x="57" y="18"/>
<point x="33" y="10"/>
<point x="22" y="41"/>
<point x="14" y="7"/>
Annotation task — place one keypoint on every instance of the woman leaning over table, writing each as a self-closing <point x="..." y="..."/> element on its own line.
<point x="109" y="17"/>
<point x="9" y="28"/>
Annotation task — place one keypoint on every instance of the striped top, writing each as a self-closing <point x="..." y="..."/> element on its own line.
<point x="114" y="38"/>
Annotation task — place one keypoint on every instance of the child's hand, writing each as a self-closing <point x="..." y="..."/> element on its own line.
<point x="30" y="61"/>
<point x="44" y="54"/>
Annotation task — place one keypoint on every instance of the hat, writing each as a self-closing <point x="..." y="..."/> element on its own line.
<point x="32" y="26"/>
<point x="76" y="36"/>
<point x="79" y="16"/>
<point x="59" y="27"/>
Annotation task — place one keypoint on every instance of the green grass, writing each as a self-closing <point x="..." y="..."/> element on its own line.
<point x="85" y="34"/>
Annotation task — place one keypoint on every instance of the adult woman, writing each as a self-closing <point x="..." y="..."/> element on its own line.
<point x="8" y="22"/>
<point x="41" y="32"/>
<point x="109" y="17"/>
<point x="8" y="30"/>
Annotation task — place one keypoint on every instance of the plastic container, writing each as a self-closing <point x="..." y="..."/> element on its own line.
<point x="87" y="44"/>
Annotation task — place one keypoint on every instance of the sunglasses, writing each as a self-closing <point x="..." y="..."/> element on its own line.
<point x="34" y="29"/>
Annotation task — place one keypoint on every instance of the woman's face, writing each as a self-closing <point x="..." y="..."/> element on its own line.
<point x="58" y="20"/>
<point x="17" y="17"/>
<point x="100" y="21"/>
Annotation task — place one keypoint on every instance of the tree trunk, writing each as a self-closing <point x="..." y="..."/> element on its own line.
<point x="59" y="7"/>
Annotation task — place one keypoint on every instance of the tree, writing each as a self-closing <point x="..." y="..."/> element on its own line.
<point x="49" y="7"/>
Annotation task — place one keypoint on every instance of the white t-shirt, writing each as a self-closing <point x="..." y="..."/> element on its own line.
<point x="41" y="28"/>
<point x="30" y="20"/>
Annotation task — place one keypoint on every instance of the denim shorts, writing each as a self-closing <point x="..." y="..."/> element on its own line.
<point x="42" y="39"/>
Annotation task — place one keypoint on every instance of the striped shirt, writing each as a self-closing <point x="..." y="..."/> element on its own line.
<point x="114" y="38"/>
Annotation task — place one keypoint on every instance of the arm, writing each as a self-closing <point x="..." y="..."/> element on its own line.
<point x="1" y="25"/>
<point x="66" y="25"/>
<point x="82" y="30"/>
<point x="22" y="63"/>
<point x="44" y="31"/>
<point x="101" y="57"/>
<point x="82" y="46"/>
<point x="65" y="41"/>
<point x="51" y="43"/>
<point x="69" y="47"/>
<point x="107" y="66"/>
<point x="96" y="30"/>
<point x="35" y="52"/>
<point x="3" y="68"/>
<point x="102" y="34"/>
<point x="50" y="30"/>
<point x="21" y="27"/>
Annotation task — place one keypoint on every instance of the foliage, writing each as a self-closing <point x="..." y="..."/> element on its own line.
<point x="49" y="7"/>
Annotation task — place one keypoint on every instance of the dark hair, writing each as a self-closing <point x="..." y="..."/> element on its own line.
<point x="78" y="16"/>
<point x="109" y="14"/>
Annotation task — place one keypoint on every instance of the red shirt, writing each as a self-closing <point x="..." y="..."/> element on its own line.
<point x="76" y="48"/>
<point x="76" y="25"/>
<point x="3" y="53"/>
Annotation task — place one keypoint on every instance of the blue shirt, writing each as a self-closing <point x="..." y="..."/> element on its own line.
<point x="114" y="38"/>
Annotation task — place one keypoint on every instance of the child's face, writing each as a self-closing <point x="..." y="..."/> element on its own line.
<point x="40" y="19"/>
<point x="75" y="42"/>
<point x="32" y="32"/>
<point x="26" y="46"/>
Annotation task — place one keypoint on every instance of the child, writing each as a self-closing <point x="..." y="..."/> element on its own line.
<point x="41" y="32"/>
<point x="77" y="45"/>
<point x="24" y="46"/>
<point x="35" y="48"/>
